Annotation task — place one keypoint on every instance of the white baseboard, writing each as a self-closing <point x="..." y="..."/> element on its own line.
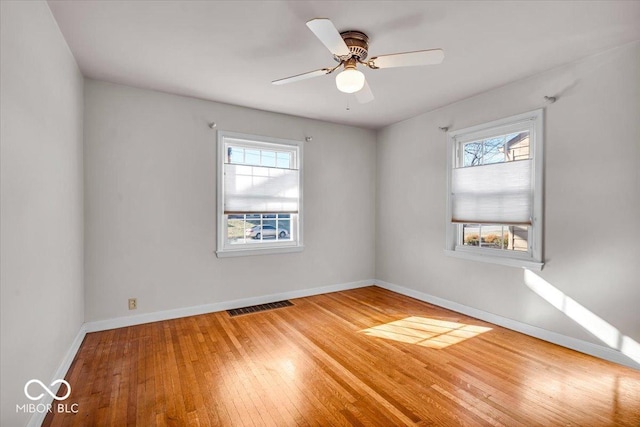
<point x="586" y="347"/>
<point x="120" y="322"/>
<point x="37" y="418"/>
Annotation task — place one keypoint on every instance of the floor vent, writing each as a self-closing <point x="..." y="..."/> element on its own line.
<point x="260" y="307"/>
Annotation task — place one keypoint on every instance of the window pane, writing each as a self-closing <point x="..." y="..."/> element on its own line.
<point x="252" y="157"/>
<point x="284" y="229"/>
<point x="492" y="236"/>
<point x="471" y="234"/>
<point x="472" y="154"/>
<point x="519" y="238"/>
<point x="235" y="229"/>
<point x="517" y="146"/>
<point x="493" y="150"/>
<point x="268" y="158"/>
<point x="235" y="155"/>
<point x="283" y="160"/>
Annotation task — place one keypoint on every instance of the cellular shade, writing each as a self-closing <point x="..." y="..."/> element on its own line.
<point x="499" y="193"/>
<point x="260" y="189"/>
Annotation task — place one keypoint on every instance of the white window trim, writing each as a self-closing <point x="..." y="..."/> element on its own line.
<point x="263" y="249"/>
<point x="533" y="259"/>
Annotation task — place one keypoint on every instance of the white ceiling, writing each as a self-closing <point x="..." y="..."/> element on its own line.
<point x="230" y="51"/>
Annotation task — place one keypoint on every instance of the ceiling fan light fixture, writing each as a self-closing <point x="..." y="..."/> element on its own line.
<point x="350" y="48"/>
<point x="350" y="80"/>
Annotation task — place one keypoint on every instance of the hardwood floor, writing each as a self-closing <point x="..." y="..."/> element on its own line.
<point x="365" y="357"/>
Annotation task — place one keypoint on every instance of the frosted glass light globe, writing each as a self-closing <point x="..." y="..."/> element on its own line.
<point x="350" y="80"/>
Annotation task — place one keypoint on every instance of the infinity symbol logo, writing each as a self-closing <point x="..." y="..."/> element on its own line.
<point x="47" y="389"/>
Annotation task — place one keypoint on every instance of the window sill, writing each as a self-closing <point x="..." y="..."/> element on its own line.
<point x="228" y="253"/>
<point x="511" y="262"/>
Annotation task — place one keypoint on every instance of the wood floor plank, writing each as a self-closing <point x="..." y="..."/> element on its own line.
<point x="364" y="357"/>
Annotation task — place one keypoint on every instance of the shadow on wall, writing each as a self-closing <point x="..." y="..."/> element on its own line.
<point x="602" y="330"/>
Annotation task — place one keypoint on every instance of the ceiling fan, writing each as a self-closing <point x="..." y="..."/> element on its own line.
<point x="350" y="48"/>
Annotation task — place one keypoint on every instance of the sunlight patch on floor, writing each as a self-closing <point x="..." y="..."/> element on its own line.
<point x="426" y="332"/>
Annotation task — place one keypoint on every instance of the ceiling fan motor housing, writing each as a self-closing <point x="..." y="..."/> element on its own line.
<point x="358" y="44"/>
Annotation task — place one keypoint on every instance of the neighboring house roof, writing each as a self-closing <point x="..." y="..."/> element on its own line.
<point x="518" y="138"/>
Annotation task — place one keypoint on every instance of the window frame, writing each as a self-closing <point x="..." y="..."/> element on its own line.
<point x="262" y="248"/>
<point x="533" y="258"/>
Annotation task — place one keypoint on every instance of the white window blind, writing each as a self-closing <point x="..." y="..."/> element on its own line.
<point x="500" y="193"/>
<point x="260" y="189"/>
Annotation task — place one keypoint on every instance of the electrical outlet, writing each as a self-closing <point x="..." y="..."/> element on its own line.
<point x="133" y="303"/>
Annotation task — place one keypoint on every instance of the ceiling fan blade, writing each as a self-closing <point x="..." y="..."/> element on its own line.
<point x="324" y="30"/>
<point x="408" y="59"/>
<point x="364" y="95"/>
<point x="302" y="76"/>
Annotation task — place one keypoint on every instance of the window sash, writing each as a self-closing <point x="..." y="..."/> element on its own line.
<point x="493" y="131"/>
<point x="286" y="222"/>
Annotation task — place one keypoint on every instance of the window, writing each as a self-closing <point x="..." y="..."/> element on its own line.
<point x="259" y="195"/>
<point x="495" y="191"/>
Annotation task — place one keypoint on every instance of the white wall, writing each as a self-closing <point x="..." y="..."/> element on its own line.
<point x="150" y="211"/>
<point x="592" y="198"/>
<point x="41" y="227"/>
